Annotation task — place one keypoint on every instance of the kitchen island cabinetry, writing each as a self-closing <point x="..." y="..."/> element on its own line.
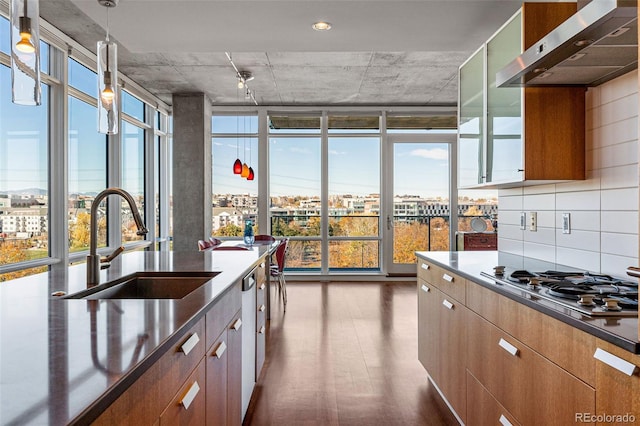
<point x="197" y="381"/>
<point x="508" y="136"/>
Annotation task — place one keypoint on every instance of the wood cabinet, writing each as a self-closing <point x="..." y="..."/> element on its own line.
<point x="617" y="384"/>
<point x="497" y="361"/>
<point x="514" y="136"/>
<point x="469" y="241"/>
<point x="196" y="381"/>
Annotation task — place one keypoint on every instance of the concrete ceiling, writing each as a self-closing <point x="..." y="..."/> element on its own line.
<point x="378" y="52"/>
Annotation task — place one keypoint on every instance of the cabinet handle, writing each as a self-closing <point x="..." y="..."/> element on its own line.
<point x="447" y="277"/>
<point x="190" y="343"/>
<point x="508" y="347"/>
<point x="262" y="329"/>
<point x="447" y="304"/>
<point x="262" y="308"/>
<point x="237" y="324"/>
<point x="504" y="421"/>
<point x="425" y="288"/>
<point x="188" y="398"/>
<point x="262" y="286"/>
<point x="616" y="362"/>
<point x="220" y="350"/>
<point x="424" y="266"/>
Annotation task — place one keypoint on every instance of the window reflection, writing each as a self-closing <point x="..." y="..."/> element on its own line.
<point x="132" y="177"/>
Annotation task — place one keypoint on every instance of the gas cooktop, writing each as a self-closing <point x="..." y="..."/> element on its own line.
<point x="588" y="293"/>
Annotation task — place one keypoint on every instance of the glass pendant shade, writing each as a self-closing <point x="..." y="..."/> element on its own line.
<point x="108" y="87"/>
<point x="245" y="170"/>
<point x="251" y="176"/>
<point x="237" y="167"/>
<point x="25" y="52"/>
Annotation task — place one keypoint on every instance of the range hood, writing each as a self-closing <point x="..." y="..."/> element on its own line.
<point x="598" y="43"/>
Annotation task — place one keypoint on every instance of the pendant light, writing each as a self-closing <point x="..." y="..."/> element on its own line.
<point x="237" y="165"/>
<point x="251" y="175"/>
<point x="245" y="168"/>
<point x="108" y="108"/>
<point x="25" y="52"/>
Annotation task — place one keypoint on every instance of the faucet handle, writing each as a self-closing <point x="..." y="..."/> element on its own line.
<point x="112" y="256"/>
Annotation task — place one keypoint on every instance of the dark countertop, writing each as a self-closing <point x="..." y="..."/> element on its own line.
<point x="48" y="374"/>
<point x="622" y="332"/>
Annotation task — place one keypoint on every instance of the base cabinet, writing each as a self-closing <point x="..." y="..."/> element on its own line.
<point x="196" y="382"/>
<point x="483" y="408"/>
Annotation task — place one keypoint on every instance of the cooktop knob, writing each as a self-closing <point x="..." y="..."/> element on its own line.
<point x="586" y="300"/>
<point x="498" y="270"/>
<point x="611" y="304"/>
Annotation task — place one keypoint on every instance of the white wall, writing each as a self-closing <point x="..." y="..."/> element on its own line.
<point x="603" y="208"/>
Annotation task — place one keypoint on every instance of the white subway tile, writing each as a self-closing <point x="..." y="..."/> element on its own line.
<point x="621" y="154"/>
<point x="546" y="219"/>
<point x="583" y="259"/>
<point x="540" y="251"/>
<point x="620" y="222"/>
<point x="619" y="109"/>
<point x="546" y="236"/>
<point x="619" y="87"/>
<point x="539" y="202"/>
<point x="512" y="232"/>
<point x="580" y="220"/>
<point x="539" y="189"/>
<point x="508" y="217"/>
<point x="619" y="177"/>
<point x="620" y="199"/>
<point x="591" y="183"/>
<point x="584" y="200"/>
<point x="614" y="133"/>
<point x="616" y="265"/>
<point x="505" y="192"/>
<point x="619" y="244"/>
<point x="510" y="202"/>
<point x="585" y="240"/>
<point x="510" y="246"/>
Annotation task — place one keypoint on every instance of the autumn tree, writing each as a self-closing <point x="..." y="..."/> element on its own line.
<point x="80" y="233"/>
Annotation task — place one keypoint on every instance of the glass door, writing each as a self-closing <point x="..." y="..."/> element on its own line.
<point x="417" y="208"/>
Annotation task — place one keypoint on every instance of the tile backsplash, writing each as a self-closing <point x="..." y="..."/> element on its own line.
<point x="603" y="208"/>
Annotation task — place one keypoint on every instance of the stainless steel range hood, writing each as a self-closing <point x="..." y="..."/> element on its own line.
<point x="598" y="43"/>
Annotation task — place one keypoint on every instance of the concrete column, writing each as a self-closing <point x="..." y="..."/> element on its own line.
<point x="191" y="170"/>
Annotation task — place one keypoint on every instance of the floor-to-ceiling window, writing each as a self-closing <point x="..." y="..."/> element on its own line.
<point x="295" y="190"/>
<point x="353" y="180"/>
<point x="87" y="151"/>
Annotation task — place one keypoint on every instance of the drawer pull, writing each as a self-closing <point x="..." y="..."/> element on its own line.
<point x="188" y="398"/>
<point x="237" y="324"/>
<point x="447" y="277"/>
<point x="424" y="266"/>
<point x="447" y="304"/>
<point x="262" y="308"/>
<point x="262" y="329"/>
<point x="508" y="347"/>
<point x="190" y="343"/>
<point x="503" y="421"/>
<point x="222" y="347"/>
<point x="615" y="362"/>
<point x="262" y="286"/>
<point x="425" y="288"/>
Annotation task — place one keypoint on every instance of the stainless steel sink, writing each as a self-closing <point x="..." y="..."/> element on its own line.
<point x="148" y="285"/>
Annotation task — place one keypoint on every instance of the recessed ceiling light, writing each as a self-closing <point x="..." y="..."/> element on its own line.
<point x="321" y="26"/>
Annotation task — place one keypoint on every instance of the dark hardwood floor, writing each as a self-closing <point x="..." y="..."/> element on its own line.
<point x="345" y="354"/>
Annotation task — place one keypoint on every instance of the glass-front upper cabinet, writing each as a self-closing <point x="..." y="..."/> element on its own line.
<point x="471" y="120"/>
<point x="514" y="136"/>
<point x="504" y="107"/>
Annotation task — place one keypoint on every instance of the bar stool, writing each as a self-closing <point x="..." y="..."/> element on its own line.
<point x="277" y="271"/>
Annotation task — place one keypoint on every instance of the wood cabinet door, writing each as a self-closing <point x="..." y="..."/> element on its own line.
<point x="188" y="405"/>
<point x="452" y="357"/>
<point x="428" y="328"/>
<point x="617" y="383"/>
<point x="216" y="365"/>
<point x="234" y="371"/>
<point x="482" y="407"/>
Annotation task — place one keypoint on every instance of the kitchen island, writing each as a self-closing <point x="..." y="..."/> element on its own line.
<point x="67" y="360"/>
<point x="499" y="355"/>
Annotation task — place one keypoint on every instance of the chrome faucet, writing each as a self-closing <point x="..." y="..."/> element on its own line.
<point x="94" y="261"/>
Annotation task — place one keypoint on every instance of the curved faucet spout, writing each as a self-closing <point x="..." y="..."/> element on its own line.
<point x="93" y="259"/>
